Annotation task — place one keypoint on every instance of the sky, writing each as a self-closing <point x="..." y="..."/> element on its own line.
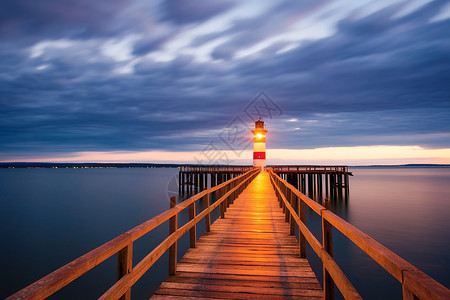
<point x="337" y="82"/>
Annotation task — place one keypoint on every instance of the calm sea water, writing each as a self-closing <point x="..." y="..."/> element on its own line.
<point x="49" y="217"/>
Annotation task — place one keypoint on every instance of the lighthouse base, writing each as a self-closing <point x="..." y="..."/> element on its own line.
<point x="259" y="163"/>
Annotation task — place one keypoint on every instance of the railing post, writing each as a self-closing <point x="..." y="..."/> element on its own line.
<point x="407" y="294"/>
<point x="327" y="242"/>
<point x="222" y="206"/>
<point x="286" y="195"/>
<point x="301" y="236"/>
<point x="124" y="266"/>
<point x="173" y="224"/>
<point x="208" y="215"/>
<point x="193" y="230"/>
<point x="293" y="199"/>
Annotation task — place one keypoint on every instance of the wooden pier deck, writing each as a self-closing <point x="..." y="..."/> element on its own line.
<point x="249" y="254"/>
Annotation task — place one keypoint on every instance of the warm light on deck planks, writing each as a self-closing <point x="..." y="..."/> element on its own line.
<point x="247" y="255"/>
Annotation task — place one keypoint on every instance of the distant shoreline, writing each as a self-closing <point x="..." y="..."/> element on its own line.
<point x="154" y="165"/>
<point x="403" y="166"/>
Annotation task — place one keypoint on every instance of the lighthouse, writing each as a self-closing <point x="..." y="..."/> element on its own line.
<point x="259" y="144"/>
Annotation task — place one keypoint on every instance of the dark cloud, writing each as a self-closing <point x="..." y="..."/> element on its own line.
<point x="181" y="12"/>
<point x="379" y="79"/>
<point x="74" y="18"/>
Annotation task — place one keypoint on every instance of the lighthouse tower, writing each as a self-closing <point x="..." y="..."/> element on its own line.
<point x="259" y="144"/>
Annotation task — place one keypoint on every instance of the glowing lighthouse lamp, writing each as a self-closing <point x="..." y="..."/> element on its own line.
<point x="259" y="144"/>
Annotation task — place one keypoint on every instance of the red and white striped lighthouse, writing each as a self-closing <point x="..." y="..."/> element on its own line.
<point x="259" y="144"/>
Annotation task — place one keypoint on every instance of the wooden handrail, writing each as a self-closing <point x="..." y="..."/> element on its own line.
<point x="415" y="283"/>
<point x="215" y="169"/>
<point x="288" y="168"/>
<point x="123" y="244"/>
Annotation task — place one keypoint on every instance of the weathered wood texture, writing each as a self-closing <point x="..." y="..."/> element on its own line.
<point x="247" y="255"/>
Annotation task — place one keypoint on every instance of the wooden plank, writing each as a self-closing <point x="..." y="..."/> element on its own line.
<point x="244" y="269"/>
<point x="224" y="295"/>
<point x="168" y="297"/>
<point x="308" y="283"/>
<point x="283" y="290"/>
<point x="246" y="262"/>
<point x="199" y="276"/>
<point x="254" y="257"/>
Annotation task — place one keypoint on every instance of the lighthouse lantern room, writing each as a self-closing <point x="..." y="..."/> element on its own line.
<point x="259" y="144"/>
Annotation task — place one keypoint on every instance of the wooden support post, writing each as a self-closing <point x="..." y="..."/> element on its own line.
<point x="222" y="205"/>
<point x="279" y="196"/>
<point x="208" y="215"/>
<point x="301" y="237"/>
<point x="347" y="186"/>
<point x="315" y="186"/>
<point x="197" y="183"/>
<point x="193" y="230"/>
<point x="332" y="187"/>
<point x="327" y="242"/>
<point x="407" y="294"/>
<point x="338" y="187"/>
<point x="293" y="200"/>
<point x="173" y="224"/>
<point x="320" y="186"/>
<point x="304" y="183"/>
<point x="124" y="266"/>
<point x="205" y="181"/>
<point x="229" y="199"/>
<point x="287" y="195"/>
<point x="301" y="182"/>
<point x="326" y="185"/>
<point x="309" y="185"/>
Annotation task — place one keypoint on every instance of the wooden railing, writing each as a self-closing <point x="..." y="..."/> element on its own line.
<point x="214" y="169"/>
<point x="123" y="245"/>
<point x="415" y="283"/>
<point x="280" y="169"/>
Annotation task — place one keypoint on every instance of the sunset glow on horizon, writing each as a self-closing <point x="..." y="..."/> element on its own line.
<point x="361" y="155"/>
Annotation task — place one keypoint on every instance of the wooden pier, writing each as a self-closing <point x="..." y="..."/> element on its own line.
<point x="197" y="178"/>
<point x="247" y="255"/>
<point x="318" y="182"/>
<point x="249" y="252"/>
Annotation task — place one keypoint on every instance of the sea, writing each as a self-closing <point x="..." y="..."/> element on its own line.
<point x="49" y="217"/>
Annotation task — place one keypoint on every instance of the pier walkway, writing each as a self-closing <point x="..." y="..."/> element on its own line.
<point x="247" y="255"/>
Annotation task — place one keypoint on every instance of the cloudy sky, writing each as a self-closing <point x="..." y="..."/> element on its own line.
<point x="134" y="80"/>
